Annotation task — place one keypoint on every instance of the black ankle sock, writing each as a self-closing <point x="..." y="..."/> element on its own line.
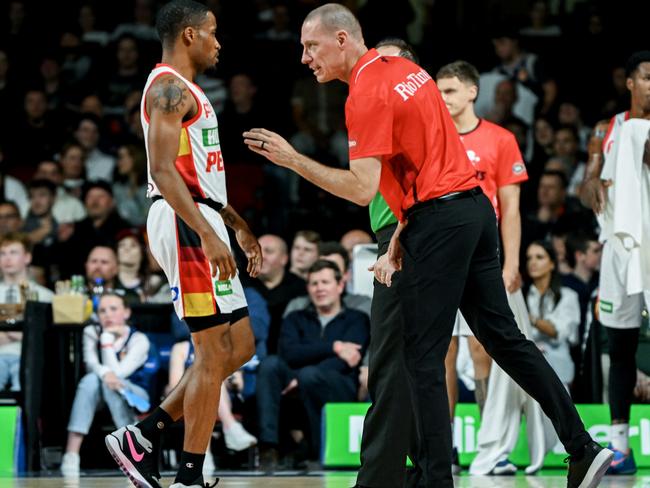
<point x="153" y="426"/>
<point x="190" y="469"/>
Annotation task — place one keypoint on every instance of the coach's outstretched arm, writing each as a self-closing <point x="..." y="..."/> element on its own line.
<point x="168" y="102"/>
<point x="359" y="184"/>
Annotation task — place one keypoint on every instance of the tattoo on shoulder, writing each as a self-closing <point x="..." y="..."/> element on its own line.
<point x="169" y="96"/>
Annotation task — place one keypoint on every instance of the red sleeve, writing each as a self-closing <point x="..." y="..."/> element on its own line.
<point x="510" y="168"/>
<point x="370" y="127"/>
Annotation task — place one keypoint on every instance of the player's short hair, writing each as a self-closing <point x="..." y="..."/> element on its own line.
<point x="16" y="238"/>
<point x="462" y="70"/>
<point x="322" y="264"/>
<point x="176" y="15"/>
<point x="336" y="17"/>
<point x="634" y="61"/>
<point x="332" y="247"/>
<point x="560" y="174"/>
<point x="405" y="49"/>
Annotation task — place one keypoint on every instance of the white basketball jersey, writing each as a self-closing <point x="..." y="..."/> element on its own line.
<point x="199" y="160"/>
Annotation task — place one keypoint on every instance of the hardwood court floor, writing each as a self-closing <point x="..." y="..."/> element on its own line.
<point x="329" y="480"/>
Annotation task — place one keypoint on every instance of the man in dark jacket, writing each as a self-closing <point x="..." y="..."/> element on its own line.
<point x="319" y="353"/>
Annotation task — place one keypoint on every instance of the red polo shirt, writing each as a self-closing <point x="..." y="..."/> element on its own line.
<point x="395" y="112"/>
<point x="495" y="155"/>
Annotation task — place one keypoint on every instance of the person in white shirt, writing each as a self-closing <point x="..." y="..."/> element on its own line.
<point x="554" y="309"/>
<point x="114" y="355"/>
<point x="99" y="165"/>
<point x="67" y="208"/>
<point x="15" y="257"/>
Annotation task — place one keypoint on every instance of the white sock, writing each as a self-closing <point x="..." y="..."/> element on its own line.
<point x="619" y="435"/>
<point x="452" y="434"/>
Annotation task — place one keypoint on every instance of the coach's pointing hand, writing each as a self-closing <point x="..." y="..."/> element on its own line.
<point x="272" y="146"/>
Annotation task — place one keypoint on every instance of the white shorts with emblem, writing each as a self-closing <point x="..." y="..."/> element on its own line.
<point x="617" y="309"/>
<point x="200" y="299"/>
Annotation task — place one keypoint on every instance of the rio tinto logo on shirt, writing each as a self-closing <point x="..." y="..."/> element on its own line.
<point x="412" y="84"/>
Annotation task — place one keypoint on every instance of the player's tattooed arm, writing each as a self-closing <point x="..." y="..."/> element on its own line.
<point x="170" y="96"/>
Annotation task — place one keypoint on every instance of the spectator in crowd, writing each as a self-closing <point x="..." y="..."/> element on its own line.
<point x="8" y="92"/>
<point x="319" y="353"/>
<point x="353" y="238"/>
<point x="100" y="227"/>
<point x="130" y="184"/>
<point x="142" y="26"/>
<point x="73" y="167"/>
<point x="554" y="309"/>
<point x="125" y="78"/>
<point x="13" y="189"/>
<point x="92" y="104"/>
<point x="336" y="253"/>
<point x="114" y="354"/>
<point x="76" y="64"/>
<point x="131" y="266"/>
<point x="99" y="165"/>
<point x="36" y="136"/>
<point x="241" y="112"/>
<point x="10" y="220"/>
<point x="569" y="115"/>
<point x="539" y="25"/>
<point x="67" y="208"/>
<point x="567" y="149"/>
<point x="40" y="224"/>
<point x="505" y="99"/>
<point x="318" y="115"/>
<point x="304" y="252"/>
<point x="90" y="33"/>
<point x="101" y="263"/>
<point x="15" y="258"/>
<point x="583" y="253"/>
<point x="280" y="29"/>
<point x="552" y="205"/>
<point x="276" y="284"/>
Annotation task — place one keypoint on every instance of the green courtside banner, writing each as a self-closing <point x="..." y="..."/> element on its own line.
<point x="9" y="416"/>
<point x="343" y="425"/>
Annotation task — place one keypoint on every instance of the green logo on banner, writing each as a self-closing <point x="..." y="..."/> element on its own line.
<point x="607" y="307"/>
<point x="210" y="137"/>
<point x="223" y="288"/>
<point x="343" y="426"/>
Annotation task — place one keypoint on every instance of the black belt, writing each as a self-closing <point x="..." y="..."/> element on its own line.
<point x="443" y="199"/>
<point x="205" y="201"/>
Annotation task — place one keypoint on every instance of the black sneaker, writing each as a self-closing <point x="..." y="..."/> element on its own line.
<point x="197" y="483"/>
<point x="587" y="471"/>
<point x="135" y="455"/>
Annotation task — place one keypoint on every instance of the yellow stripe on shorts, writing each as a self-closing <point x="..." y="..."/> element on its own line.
<point x="198" y="304"/>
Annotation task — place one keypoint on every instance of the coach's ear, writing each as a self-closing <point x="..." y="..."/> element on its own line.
<point x="341" y="38"/>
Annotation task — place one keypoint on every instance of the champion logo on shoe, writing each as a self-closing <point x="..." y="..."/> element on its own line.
<point x="134" y="453"/>
<point x="189" y="465"/>
<point x="160" y="425"/>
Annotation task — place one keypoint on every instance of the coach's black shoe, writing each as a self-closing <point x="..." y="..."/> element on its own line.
<point x="197" y="483"/>
<point x="135" y="455"/>
<point x="587" y="471"/>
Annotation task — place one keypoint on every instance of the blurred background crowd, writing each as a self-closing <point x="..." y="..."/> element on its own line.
<point x="73" y="165"/>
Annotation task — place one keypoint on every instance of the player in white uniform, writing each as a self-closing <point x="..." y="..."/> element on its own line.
<point x="188" y="238"/>
<point x="620" y="312"/>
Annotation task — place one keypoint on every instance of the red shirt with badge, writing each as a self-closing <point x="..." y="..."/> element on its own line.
<point x="495" y="155"/>
<point x="395" y="112"/>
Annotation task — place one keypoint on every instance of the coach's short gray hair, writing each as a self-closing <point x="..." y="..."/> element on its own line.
<point x="334" y="16"/>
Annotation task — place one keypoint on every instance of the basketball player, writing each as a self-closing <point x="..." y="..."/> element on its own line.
<point x="188" y="238"/>
<point x="500" y="169"/>
<point x="619" y="311"/>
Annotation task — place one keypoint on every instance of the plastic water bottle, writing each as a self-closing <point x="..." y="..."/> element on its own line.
<point x="98" y="291"/>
